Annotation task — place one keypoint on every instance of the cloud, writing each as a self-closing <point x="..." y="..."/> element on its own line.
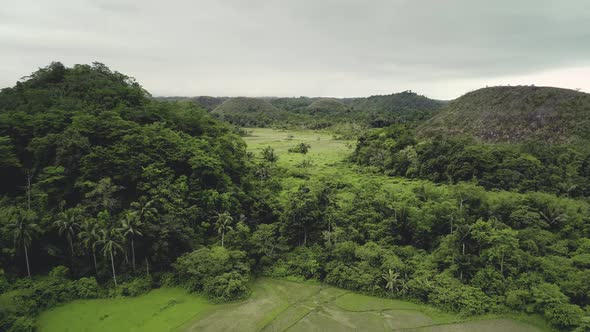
<point x="302" y="47"/>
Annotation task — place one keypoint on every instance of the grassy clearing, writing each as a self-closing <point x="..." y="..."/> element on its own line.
<point x="280" y="305"/>
<point x="160" y="310"/>
<point x="275" y="305"/>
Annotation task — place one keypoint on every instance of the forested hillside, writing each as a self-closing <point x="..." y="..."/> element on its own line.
<point x="516" y="114"/>
<point x="319" y="113"/>
<point x="99" y="178"/>
<point x="250" y="112"/>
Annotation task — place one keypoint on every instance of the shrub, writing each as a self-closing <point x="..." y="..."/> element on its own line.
<point x="302" y="261"/>
<point x="168" y="279"/>
<point x="59" y="272"/>
<point x="86" y="288"/>
<point x="227" y="287"/>
<point x="300" y="148"/>
<point x="22" y="324"/>
<point x="209" y="270"/>
<point x="450" y="294"/>
<point x="135" y="286"/>
<point x="564" y="315"/>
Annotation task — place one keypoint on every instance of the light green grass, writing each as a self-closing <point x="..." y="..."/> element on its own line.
<point x="324" y="151"/>
<point x="160" y="310"/>
<point x="275" y="305"/>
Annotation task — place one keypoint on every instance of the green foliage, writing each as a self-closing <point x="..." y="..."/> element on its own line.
<point x="220" y="273"/>
<point x="515" y="114"/>
<point x="300" y="148"/>
<point x="269" y="155"/>
<point x="135" y="287"/>
<point x="322" y="113"/>
<point x="250" y="112"/>
<point x="530" y="167"/>
<point x="86" y="288"/>
<point x="226" y="287"/>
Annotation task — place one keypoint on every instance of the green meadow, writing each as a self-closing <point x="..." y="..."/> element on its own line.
<point x="274" y="305"/>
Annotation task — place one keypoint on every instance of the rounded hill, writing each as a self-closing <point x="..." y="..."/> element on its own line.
<point x="327" y="106"/>
<point x="245" y="111"/>
<point x="515" y="114"/>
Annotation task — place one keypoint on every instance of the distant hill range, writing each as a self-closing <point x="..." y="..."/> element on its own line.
<point x="514" y="114"/>
<point x="316" y="112"/>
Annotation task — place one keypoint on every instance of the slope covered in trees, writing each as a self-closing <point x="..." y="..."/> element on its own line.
<point x="515" y="114"/>
<point x="252" y="112"/>
<point x="98" y="177"/>
<point x="318" y="113"/>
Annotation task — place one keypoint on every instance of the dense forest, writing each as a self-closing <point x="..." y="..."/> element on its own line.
<point x="109" y="192"/>
<point x="319" y="113"/>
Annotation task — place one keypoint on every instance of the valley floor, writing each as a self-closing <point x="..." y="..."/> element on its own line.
<point x="275" y="305"/>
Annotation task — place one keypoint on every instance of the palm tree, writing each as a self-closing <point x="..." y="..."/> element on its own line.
<point x="111" y="240"/>
<point x="144" y="209"/>
<point x="68" y="223"/>
<point x="23" y="230"/>
<point x="91" y="236"/>
<point x="223" y="224"/>
<point x="391" y="281"/>
<point x="130" y="228"/>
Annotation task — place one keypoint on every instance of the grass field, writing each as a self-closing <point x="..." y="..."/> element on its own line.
<point x="162" y="309"/>
<point x="325" y="152"/>
<point x="275" y="305"/>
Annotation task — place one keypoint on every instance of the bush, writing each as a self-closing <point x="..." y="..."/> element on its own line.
<point x="564" y="315"/>
<point x="518" y="299"/>
<point x="300" y="148"/>
<point x="209" y="270"/>
<point x="302" y="261"/>
<point x="227" y="287"/>
<point x="86" y="288"/>
<point x="59" y="272"/>
<point x="22" y="324"/>
<point x="167" y="279"/>
<point x="452" y="295"/>
<point x="135" y="287"/>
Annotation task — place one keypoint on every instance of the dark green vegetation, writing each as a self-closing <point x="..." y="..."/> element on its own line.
<point x="252" y="112"/>
<point x="532" y="166"/>
<point x="99" y="178"/>
<point x="319" y="113"/>
<point x="516" y="114"/>
<point x="107" y="192"/>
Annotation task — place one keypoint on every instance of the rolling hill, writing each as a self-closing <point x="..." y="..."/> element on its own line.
<point x="513" y="114"/>
<point x="327" y="106"/>
<point x="246" y="111"/>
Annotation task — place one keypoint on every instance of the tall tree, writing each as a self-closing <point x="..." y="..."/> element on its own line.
<point x="68" y="223"/>
<point x="223" y="224"/>
<point x="90" y="234"/>
<point x="23" y="230"/>
<point x="111" y="241"/>
<point x="130" y="225"/>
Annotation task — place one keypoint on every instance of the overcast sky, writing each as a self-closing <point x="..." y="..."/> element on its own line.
<point x="439" y="48"/>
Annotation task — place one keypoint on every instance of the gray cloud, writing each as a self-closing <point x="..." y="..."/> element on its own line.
<point x="302" y="47"/>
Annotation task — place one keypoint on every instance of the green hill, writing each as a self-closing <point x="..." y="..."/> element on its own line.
<point x="382" y="110"/>
<point x="246" y="111"/>
<point x="327" y="106"/>
<point x="515" y="114"/>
